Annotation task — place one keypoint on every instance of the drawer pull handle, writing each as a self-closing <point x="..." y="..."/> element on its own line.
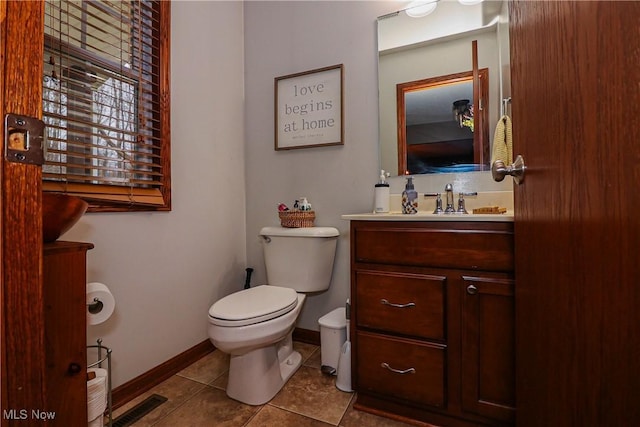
<point x="398" y="371"/>
<point x="407" y="305"/>
<point x="472" y="290"/>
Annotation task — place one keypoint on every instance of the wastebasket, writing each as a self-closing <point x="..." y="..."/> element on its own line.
<point x="333" y="333"/>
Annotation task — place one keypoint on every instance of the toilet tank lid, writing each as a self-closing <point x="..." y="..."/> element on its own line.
<point x="300" y="232"/>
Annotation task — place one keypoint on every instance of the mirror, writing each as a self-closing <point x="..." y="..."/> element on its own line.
<point x="425" y="66"/>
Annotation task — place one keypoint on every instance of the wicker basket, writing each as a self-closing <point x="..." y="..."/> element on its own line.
<point x="297" y="219"/>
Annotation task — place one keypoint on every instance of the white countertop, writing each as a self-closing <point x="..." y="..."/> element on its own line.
<point x="427" y="204"/>
<point x="426" y="216"/>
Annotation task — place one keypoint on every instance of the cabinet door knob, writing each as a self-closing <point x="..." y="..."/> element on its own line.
<point x="472" y="290"/>
<point x="74" y="368"/>
<point x="407" y="305"/>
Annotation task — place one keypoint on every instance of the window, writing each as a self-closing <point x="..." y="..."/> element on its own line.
<point x="106" y="102"/>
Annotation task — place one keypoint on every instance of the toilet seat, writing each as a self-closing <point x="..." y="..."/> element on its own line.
<point x="253" y="305"/>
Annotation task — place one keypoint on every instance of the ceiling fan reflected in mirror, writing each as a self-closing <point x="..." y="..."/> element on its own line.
<point x="463" y="113"/>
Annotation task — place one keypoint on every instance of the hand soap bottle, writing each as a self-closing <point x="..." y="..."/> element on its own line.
<point x="409" y="198"/>
<point x="381" y="196"/>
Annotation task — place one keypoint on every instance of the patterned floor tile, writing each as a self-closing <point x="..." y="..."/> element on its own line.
<point x="210" y="407"/>
<point x="208" y="368"/>
<point x="312" y="394"/>
<point x="176" y="389"/>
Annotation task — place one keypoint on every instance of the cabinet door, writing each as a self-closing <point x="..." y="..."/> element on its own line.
<point x="64" y="269"/>
<point x="488" y="347"/>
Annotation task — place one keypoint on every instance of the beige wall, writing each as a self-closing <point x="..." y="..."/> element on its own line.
<point x="166" y="269"/>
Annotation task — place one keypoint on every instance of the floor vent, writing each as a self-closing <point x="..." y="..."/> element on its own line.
<point x="139" y="411"/>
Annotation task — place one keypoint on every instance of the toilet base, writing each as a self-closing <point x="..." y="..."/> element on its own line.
<point x="256" y="377"/>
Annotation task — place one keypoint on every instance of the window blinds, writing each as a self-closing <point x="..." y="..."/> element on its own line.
<point x="101" y="101"/>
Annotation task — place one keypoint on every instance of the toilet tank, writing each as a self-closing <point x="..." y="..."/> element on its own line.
<point x="299" y="258"/>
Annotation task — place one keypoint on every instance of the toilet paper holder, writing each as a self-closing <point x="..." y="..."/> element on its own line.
<point x="100" y="303"/>
<point x="102" y="355"/>
<point x="95" y="306"/>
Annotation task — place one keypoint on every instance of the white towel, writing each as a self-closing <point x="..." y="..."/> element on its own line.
<point x="503" y="142"/>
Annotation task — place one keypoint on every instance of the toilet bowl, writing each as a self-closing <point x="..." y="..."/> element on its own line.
<point x="261" y="347"/>
<point x="255" y="326"/>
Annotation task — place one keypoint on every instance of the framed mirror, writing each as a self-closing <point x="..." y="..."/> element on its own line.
<point x="425" y="73"/>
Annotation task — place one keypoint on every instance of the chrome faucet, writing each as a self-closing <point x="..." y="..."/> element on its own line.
<point x="449" y="190"/>
<point x="461" y="207"/>
<point x="449" y="199"/>
<point x="438" y="210"/>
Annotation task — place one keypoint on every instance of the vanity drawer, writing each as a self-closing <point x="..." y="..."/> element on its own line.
<point x="469" y="246"/>
<point x="402" y="303"/>
<point x="423" y="364"/>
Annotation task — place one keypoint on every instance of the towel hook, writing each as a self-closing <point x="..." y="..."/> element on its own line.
<point x="505" y="103"/>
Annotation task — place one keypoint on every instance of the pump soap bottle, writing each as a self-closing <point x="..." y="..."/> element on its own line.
<point x="381" y="203"/>
<point x="409" y="198"/>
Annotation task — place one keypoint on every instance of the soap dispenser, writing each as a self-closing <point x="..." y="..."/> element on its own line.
<point x="409" y="198"/>
<point x="381" y="196"/>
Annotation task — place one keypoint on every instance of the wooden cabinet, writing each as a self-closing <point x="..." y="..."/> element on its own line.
<point x="433" y="320"/>
<point x="64" y="270"/>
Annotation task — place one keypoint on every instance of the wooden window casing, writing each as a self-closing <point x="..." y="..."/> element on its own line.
<point x="106" y="103"/>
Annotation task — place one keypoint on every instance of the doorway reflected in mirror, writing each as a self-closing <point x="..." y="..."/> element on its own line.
<point x="439" y="130"/>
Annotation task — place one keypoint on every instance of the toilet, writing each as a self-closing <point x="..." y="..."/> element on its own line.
<point x="255" y="326"/>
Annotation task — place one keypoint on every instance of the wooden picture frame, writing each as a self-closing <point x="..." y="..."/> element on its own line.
<point x="308" y="109"/>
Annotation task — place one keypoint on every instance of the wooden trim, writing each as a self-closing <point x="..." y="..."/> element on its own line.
<point x="165" y="102"/>
<point x="478" y="148"/>
<point x="306" y="336"/>
<point x="142" y="383"/>
<point x="3" y="364"/>
<point x="480" y="94"/>
<point x="23" y="350"/>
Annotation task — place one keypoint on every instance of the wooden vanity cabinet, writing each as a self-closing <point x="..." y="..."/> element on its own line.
<point x="65" y="332"/>
<point x="432" y="321"/>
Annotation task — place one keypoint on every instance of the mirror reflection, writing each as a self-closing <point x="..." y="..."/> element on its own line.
<point x="426" y="72"/>
<point x="440" y="127"/>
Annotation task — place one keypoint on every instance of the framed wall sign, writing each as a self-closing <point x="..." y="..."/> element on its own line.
<point x="308" y="109"/>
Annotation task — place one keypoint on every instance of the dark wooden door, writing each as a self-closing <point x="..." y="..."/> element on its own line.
<point x="575" y="87"/>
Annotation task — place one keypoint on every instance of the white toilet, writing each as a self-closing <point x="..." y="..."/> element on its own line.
<point x="254" y="326"/>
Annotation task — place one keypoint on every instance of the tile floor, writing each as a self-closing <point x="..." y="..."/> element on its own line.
<point x="196" y="398"/>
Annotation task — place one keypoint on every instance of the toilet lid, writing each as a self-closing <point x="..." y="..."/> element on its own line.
<point x="253" y="305"/>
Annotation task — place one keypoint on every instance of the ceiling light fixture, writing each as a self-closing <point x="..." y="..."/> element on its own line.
<point x="469" y="2"/>
<point x="463" y="113"/>
<point x="420" y="8"/>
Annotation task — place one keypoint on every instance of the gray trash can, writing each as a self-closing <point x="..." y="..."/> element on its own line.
<point x="333" y="334"/>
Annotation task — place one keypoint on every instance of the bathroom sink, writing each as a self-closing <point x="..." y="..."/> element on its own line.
<point x="428" y="203"/>
<point x="428" y="216"/>
<point x="60" y="212"/>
